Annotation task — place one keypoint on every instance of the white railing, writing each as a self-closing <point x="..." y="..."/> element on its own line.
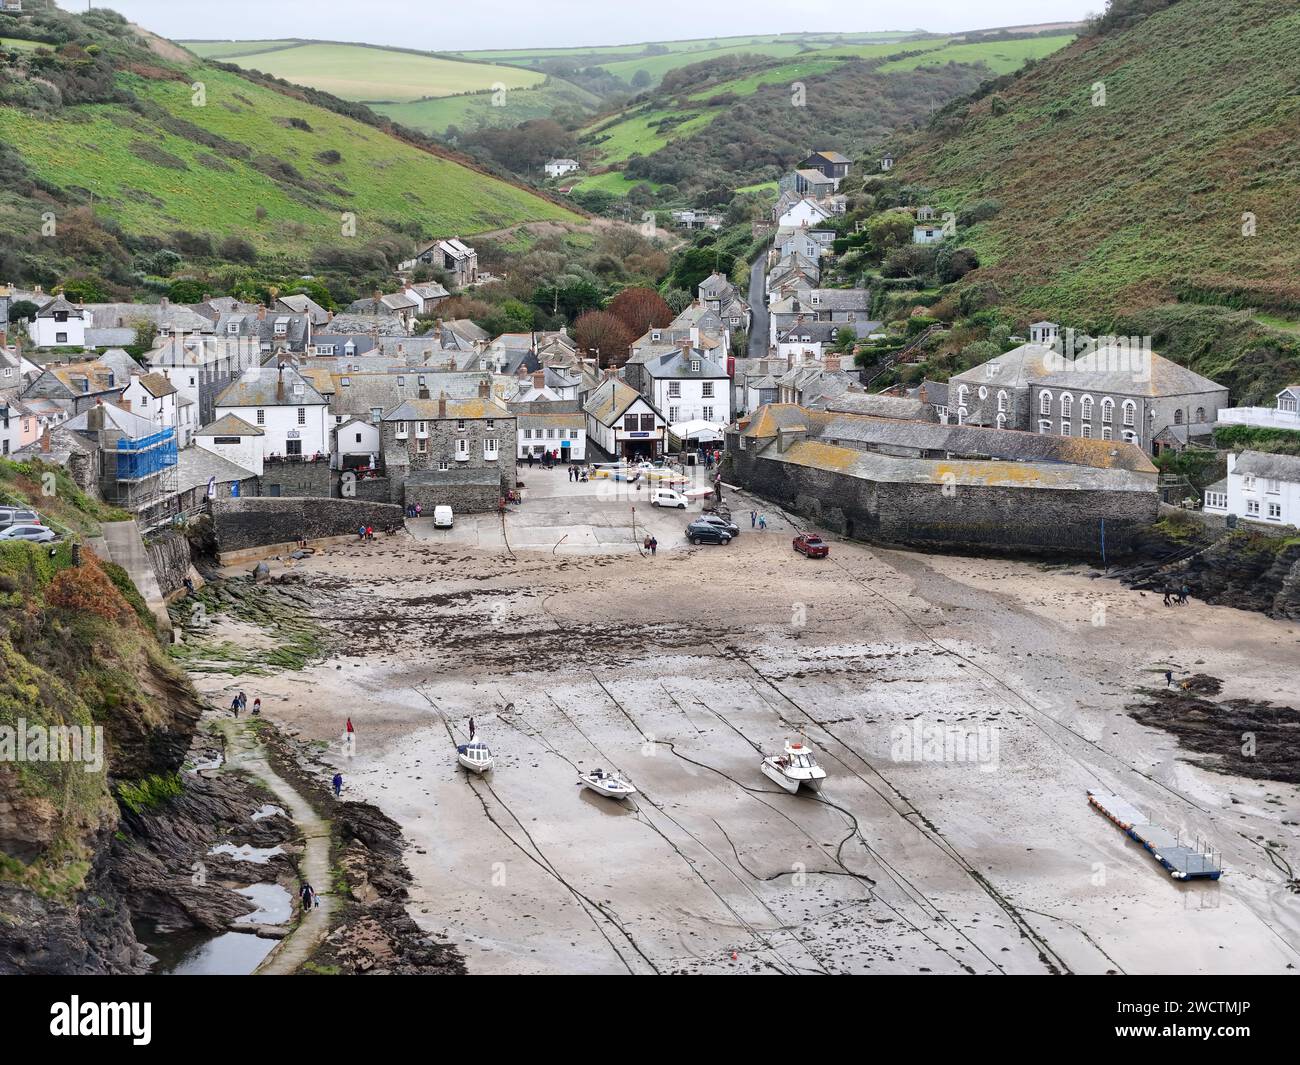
<point x="1269" y="417"/>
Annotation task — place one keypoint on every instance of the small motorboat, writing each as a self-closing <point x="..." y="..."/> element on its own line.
<point x="794" y="767"/>
<point x="475" y="756"/>
<point x="611" y="785"/>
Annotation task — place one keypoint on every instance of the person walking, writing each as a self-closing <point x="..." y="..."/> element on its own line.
<point x="350" y="728"/>
<point x="762" y="523"/>
<point x="257" y="706"/>
<point x="338" y="784"/>
<point x="654" y="545"/>
<point x="753" y="518"/>
<point x="234" y="706"/>
<point x="1168" y="592"/>
<point x="361" y="532"/>
<point x="1183" y="593"/>
<point x="471" y="730"/>
<point x="243" y="701"/>
<point x="308" y="896"/>
<point x="1169" y="678"/>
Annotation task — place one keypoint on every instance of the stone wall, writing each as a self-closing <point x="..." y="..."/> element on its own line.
<point x="296" y="479"/>
<point x="169" y="554"/>
<point x="971" y="517"/>
<point x="240" y="524"/>
<point x="462" y="498"/>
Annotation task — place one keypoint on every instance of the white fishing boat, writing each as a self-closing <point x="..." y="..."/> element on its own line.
<point x="794" y="767"/>
<point x="475" y="756"/>
<point x="611" y="785"/>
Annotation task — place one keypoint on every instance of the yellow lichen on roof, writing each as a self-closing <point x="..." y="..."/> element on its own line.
<point x="992" y="472"/>
<point x="822" y="456"/>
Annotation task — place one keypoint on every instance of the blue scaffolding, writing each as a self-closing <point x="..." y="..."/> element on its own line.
<point x="143" y="456"/>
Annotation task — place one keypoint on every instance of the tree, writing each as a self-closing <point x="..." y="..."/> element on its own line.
<point x="641" y="79"/>
<point x="640" y="309"/>
<point x="603" y="332"/>
<point x="22" y="311"/>
<point x="889" y="229"/>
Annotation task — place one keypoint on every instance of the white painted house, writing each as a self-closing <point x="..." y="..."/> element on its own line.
<point x="560" y="167"/>
<point x="356" y="444"/>
<point x="804" y="213"/>
<point x="59" y="324"/>
<point x="622" y="423"/>
<point x="1284" y="414"/>
<point x="235" y="441"/>
<point x="154" y="397"/>
<point x="289" y="411"/>
<point x="1259" y="487"/>
<point x="688" y="386"/>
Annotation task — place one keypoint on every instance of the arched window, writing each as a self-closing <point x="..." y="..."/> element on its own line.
<point x="1067" y="404"/>
<point x="1085" y="408"/>
<point x="1200" y="414"/>
<point x="1002" y="402"/>
<point x="1002" y="421"/>
<point x="1178" y="417"/>
<point x="961" y="415"/>
<point x="1044" y="403"/>
<point x="1130" y="412"/>
<point x="1108" y="410"/>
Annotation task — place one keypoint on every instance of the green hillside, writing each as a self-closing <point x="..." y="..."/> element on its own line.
<point x="369" y="74"/>
<point x="128" y="152"/>
<point x="1143" y="198"/>
<point x="472" y="110"/>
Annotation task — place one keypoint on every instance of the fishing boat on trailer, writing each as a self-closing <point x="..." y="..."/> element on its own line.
<point x="475" y="756"/>
<point x="611" y="785"/>
<point x="795" y="767"/>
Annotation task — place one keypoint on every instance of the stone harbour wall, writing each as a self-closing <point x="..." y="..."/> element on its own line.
<point x="240" y="524"/>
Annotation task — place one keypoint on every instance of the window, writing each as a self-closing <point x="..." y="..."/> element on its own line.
<point x="460" y="425"/>
<point x="1108" y="411"/>
<point x="491" y="424"/>
<point x="443" y="464"/>
<point x="60" y="338"/>
<point x="674" y="414"/>
<point x="462" y="450"/>
<point x="1085" y="408"/>
<point x="1130" y="412"/>
<point x="1085" y="431"/>
<point x="302" y="415"/>
<point x="1065" y="429"/>
<point x="706" y="390"/>
<point x="401" y="430"/>
<point x="421" y="428"/>
<point x="261" y="417"/>
<point x="647" y="423"/>
<point x="983" y="393"/>
<point x="631" y="423"/>
<point x="1272" y="487"/>
<point x="1045" y="427"/>
<point x="1002" y="401"/>
<point x="375" y="414"/>
<point x="550" y="434"/>
<point x="1002" y="421"/>
<point x="1044" y="403"/>
<point x="421" y="446"/>
<point x="490" y="448"/>
<point x="1200" y="414"/>
<point x="707" y="414"/>
<point x="674" y="389"/>
<point x="1106" y="432"/>
<point x="695" y="366"/>
<point x="528" y="434"/>
<point x="1252" y="506"/>
<point x="1067" y="404"/>
<point x="1275" y="512"/>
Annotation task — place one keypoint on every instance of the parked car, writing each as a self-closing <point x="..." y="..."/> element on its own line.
<point x="812" y="545"/>
<point x="703" y="532"/>
<point x="724" y="523"/>
<point x="18" y="516"/>
<point x="37" y="534"/>
<point x="666" y="497"/>
<point x="443" y="517"/>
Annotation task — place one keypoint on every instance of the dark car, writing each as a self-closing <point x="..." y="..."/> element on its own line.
<point x="703" y="532"/>
<point x="723" y="523"/>
<point x="812" y="545"/>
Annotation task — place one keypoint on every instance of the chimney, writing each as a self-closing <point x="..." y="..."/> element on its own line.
<point x="539" y="379"/>
<point x="261" y="312"/>
<point x="831" y="363"/>
<point x="789" y="360"/>
<point x="442" y="404"/>
<point x="921" y="395"/>
<point x="378" y="295"/>
<point x="484" y="389"/>
<point x="164" y="303"/>
<point x="45" y="439"/>
<point x="279" y="386"/>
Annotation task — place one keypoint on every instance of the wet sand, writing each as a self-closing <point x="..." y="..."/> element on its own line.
<point x="679" y="670"/>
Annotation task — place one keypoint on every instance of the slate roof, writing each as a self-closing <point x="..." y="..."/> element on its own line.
<point x="882" y="406"/>
<point x="1272" y="467"/>
<point x="174" y="316"/>
<point x="366" y="391"/>
<point x="230" y="425"/>
<point x="426" y="410"/>
<point x="610" y="400"/>
<point x="677" y="364"/>
<point x="1109" y="368"/>
<point x="196" y="465"/>
<point x="157" y="385"/>
<point x="260" y="387"/>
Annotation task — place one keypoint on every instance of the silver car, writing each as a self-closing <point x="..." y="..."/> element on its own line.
<point x="37" y="534"/>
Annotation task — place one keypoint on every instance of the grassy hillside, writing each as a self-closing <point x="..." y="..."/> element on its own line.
<point x="369" y="74"/>
<point x="1106" y="209"/>
<point x="117" y="140"/>
<point x="472" y="110"/>
<point x="675" y="125"/>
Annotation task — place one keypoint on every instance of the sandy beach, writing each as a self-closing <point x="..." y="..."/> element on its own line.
<point x="682" y="669"/>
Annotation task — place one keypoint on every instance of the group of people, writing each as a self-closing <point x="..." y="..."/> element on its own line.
<point x="710" y="457"/>
<point x="650" y="543"/>
<point x="240" y="702"/>
<point x="757" y="520"/>
<point x="1176" y="596"/>
<point x="414" y="510"/>
<point x="547" y="459"/>
<point x="365" y="532"/>
<point x="578" y="474"/>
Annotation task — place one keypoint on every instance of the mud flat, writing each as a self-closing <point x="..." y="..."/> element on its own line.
<point x="962" y="707"/>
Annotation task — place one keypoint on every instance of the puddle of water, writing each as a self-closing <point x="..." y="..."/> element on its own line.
<point x="274" y="904"/>
<point x="268" y="811"/>
<point x="256" y="855"/>
<point x="203" y="767"/>
<point x="200" y="953"/>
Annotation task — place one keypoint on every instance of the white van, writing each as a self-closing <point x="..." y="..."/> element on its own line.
<point x="666" y="497"/>
<point x="442" y="517"/>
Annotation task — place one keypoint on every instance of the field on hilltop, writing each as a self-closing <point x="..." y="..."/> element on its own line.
<point x="1149" y="193"/>
<point x="370" y="74"/>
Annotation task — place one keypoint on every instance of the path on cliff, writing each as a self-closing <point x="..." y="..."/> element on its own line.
<point x="245" y="751"/>
<point x="758" y="327"/>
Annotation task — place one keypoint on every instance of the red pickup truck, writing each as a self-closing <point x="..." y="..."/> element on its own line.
<point x="811" y="545"/>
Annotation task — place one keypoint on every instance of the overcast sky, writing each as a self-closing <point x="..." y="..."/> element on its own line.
<point x="446" y="25"/>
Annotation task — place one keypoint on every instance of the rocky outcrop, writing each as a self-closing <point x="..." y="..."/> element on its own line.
<point x="1245" y="569"/>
